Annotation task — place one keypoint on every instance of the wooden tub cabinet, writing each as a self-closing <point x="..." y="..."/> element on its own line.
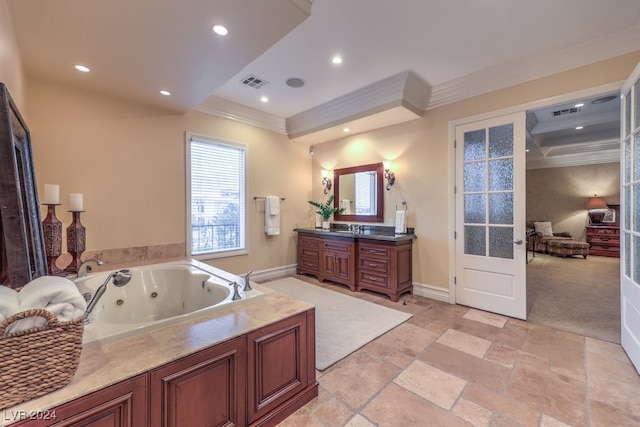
<point x="380" y="263"/>
<point x="256" y="379"/>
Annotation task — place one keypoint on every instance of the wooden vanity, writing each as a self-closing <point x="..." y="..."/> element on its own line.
<point x="379" y="262"/>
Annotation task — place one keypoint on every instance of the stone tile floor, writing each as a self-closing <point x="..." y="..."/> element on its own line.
<point x="451" y="365"/>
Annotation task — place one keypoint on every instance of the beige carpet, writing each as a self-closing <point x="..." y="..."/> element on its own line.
<point x="343" y="323"/>
<point x="575" y="295"/>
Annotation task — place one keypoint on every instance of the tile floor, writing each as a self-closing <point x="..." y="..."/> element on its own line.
<point x="451" y="365"/>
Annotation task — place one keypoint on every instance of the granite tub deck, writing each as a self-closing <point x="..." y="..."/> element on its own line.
<point x="104" y="365"/>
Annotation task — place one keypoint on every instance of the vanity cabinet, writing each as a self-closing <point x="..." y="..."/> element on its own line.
<point x="328" y="259"/>
<point x="338" y="262"/>
<point x="385" y="267"/>
<point x="206" y="388"/>
<point x="309" y="254"/>
<point x="360" y="262"/>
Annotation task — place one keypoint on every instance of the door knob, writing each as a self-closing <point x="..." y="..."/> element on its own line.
<point x="518" y="241"/>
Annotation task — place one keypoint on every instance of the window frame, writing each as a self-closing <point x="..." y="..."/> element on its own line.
<point x="244" y="249"/>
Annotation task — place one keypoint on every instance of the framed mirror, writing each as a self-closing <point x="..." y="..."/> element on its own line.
<point x="22" y="250"/>
<point x="360" y="190"/>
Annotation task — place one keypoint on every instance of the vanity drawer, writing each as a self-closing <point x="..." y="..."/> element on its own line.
<point x="338" y="246"/>
<point x="366" y="250"/>
<point x="309" y="242"/>
<point x="374" y="265"/>
<point x="367" y="277"/>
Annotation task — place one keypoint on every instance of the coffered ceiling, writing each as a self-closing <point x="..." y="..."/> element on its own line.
<point x="399" y="58"/>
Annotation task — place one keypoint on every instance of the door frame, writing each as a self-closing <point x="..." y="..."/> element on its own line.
<point x="534" y="105"/>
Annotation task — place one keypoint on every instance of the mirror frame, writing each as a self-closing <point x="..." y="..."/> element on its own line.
<point x="379" y="169"/>
<point x="22" y="248"/>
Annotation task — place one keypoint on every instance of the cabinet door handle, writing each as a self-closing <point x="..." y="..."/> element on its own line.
<point x="371" y="264"/>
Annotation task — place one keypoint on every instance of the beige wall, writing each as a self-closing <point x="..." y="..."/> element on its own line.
<point x="11" y="73"/>
<point x="420" y="151"/>
<point x="559" y="195"/>
<point x="129" y="162"/>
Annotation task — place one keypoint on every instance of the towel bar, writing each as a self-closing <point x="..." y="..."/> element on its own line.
<point x="264" y="197"/>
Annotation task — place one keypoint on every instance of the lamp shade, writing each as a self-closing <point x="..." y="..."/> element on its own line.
<point x="596" y="202"/>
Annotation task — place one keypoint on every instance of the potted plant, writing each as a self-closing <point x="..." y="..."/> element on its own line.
<point x="325" y="210"/>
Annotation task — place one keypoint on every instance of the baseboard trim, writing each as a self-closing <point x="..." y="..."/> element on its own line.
<point x="419" y="289"/>
<point x="274" y="273"/>
<point x="432" y="292"/>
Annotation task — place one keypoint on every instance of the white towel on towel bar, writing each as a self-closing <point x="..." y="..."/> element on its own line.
<point x="271" y="220"/>
<point x="401" y="222"/>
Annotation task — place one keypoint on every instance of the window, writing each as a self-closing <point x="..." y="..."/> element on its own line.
<point x="365" y="193"/>
<point x="216" y="211"/>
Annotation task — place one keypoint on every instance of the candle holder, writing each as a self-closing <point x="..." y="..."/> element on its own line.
<point x="52" y="230"/>
<point x="76" y="242"/>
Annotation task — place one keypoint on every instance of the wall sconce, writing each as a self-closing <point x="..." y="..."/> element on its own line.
<point x="597" y="208"/>
<point x="388" y="175"/>
<point x="326" y="181"/>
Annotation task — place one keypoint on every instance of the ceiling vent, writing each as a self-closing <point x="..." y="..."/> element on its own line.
<point x="254" y="82"/>
<point x="566" y="111"/>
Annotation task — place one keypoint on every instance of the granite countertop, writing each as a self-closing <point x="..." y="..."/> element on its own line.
<point x="104" y="365"/>
<point x="369" y="232"/>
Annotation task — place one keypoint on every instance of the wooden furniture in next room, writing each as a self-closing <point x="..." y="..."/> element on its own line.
<point x="604" y="240"/>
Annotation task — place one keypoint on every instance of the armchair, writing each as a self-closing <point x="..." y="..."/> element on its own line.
<point x="544" y="234"/>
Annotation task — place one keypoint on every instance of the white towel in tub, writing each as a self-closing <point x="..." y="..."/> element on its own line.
<point x="9" y="302"/>
<point x="272" y="216"/>
<point x="58" y="295"/>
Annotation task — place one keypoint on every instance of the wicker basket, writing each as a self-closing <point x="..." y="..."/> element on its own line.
<point x="39" y="360"/>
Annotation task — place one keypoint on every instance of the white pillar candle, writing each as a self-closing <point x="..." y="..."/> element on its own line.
<point x="75" y="202"/>
<point x="51" y="194"/>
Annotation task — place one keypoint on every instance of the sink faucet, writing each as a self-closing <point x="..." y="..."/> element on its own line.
<point x="84" y="267"/>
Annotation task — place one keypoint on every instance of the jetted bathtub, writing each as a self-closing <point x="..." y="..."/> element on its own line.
<point x="157" y="296"/>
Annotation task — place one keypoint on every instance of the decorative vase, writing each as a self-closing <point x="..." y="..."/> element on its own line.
<point x="326" y="225"/>
<point x="318" y="221"/>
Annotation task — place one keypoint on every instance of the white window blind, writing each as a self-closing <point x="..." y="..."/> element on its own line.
<point x="216" y="197"/>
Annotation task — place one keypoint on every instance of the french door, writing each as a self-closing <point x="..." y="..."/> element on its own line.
<point x="490" y="267"/>
<point x="630" y="265"/>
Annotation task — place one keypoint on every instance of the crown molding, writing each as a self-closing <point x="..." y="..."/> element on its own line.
<point x="409" y="91"/>
<point x="404" y="89"/>
<point x="521" y="70"/>
<point x="243" y="114"/>
<point x="581" y="159"/>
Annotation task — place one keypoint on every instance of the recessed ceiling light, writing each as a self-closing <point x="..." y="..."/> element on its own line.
<point x="345" y="130"/>
<point x="337" y="59"/>
<point x="527" y="150"/>
<point x="579" y="105"/>
<point x="165" y="92"/>
<point x="579" y="127"/>
<point x="82" y="68"/>
<point x="220" y="30"/>
<point x="264" y="99"/>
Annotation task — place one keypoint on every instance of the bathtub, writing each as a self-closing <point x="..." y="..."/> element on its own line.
<point x="158" y="295"/>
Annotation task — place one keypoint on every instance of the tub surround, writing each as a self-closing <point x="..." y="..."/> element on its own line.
<point x="105" y="365"/>
<point x="374" y="258"/>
